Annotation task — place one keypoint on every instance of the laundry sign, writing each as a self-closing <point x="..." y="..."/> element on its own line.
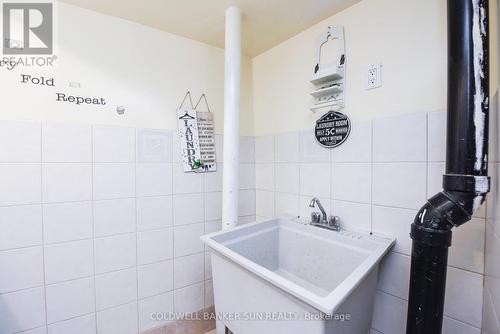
<point x="332" y="129"/>
<point x="197" y="139"/>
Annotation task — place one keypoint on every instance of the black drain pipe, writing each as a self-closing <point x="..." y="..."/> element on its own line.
<point x="465" y="183"/>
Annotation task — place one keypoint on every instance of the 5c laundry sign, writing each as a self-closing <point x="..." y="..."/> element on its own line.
<point x="332" y="129"/>
<point x="28" y="28"/>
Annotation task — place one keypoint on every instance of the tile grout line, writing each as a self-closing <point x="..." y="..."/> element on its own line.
<point x="93" y="227"/>
<point x="371" y="177"/>
<point x="136" y="230"/>
<point x="43" y="231"/>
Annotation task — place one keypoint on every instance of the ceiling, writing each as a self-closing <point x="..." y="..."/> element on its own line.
<point x="266" y="23"/>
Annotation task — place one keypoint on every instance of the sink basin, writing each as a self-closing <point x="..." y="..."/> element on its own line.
<point x="281" y="276"/>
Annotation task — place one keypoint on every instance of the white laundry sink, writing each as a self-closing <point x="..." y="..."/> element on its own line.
<point x="281" y="276"/>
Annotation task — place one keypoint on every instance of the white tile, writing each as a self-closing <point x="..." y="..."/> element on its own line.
<point x="189" y="270"/>
<point x="352" y="182"/>
<point x="113" y="144"/>
<point x="311" y="150"/>
<point x="246" y="202"/>
<point x="155" y="278"/>
<point x="464" y="296"/>
<point x="186" y="183"/>
<point x="287" y="205"/>
<point x="494" y="128"/>
<point x="247" y="176"/>
<point x="39" y="330"/>
<point x="452" y="326"/>
<point x="176" y="149"/>
<point x="306" y="210"/>
<point x="435" y="171"/>
<point x="66" y="182"/>
<point x="114" y="253"/>
<point x="70" y="299"/>
<point x="287" y="147"/>
<point x="114" y="180"/>
<point x="287" y="178"/>
<point x="68" y="261"/>
<point x="154" y="213"/>
<point x="358" y="146"/>
<point x="82" y="325"/>
<point x="121" y="319"/>
<point x="154" y="179"/>
<point x="208" y="266"/>
<point x="114" y="217"/>
<point x="265" y="203"/>
<point x="247" y="149"/>
<point x="394" y="275"/>
<point x="187" y="239"/>
<point x="154" y="146"/>
<point x="436" y="143"/>
<point x="66" y="143"/>
<point x="264" y="149"/>
<point x="400" y="138"/>
<point x="162" y="304"/>
<point x="242" y="220"/>
<point x="20" y="141"/>
<point x="22" y="310"/>
<point x="21" y="226"/>
<point x="21" y="184"/>
<point x="209" y="294"/>
<point x="396" y="223"/>
<point x="116" y="288"/>
<point x="400" y="185"/>
<point x="213" y="206"/>
<point x="153" y="246"/>
<point x="356" y="216"/>
<point x="264" y="176"/>
<point x="67" y="221"/>
<point x="21" y="269"/>
<point x="315" y="179"/>
<point x="190" y="299"/>
<point x="213" y="180"/>
<point x="389" y="314"/>
<point x="188" y="209"/>
<point x="467" y="247"/>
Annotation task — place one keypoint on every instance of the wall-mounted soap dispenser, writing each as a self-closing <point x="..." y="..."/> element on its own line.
<point x="329" y="77"/>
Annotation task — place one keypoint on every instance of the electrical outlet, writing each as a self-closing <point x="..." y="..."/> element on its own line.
<point x="373" y="74"/>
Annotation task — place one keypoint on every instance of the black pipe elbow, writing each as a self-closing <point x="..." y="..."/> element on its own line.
<point x="454" y="206"/>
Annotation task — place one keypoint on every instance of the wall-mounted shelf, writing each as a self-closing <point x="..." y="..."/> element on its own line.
<point x="333" y="89"/>
<point x="328" y="75"/>
<point x="329" y="78"/>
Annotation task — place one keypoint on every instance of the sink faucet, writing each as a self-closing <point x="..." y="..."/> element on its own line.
<point x="331" y="223"/>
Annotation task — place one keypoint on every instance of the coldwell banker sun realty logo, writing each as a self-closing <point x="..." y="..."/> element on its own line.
<point x="28" y="33"/>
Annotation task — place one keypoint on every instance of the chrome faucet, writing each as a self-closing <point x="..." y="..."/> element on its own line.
<point x="322" y="220"/>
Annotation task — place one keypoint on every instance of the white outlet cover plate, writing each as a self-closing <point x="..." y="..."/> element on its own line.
<point x="373" y="76"/>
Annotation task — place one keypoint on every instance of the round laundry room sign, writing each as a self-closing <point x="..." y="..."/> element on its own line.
<point x="332" y="129"/>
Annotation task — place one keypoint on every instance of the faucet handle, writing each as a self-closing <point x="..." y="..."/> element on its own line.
<point x="315" y="217"/>
<point x="334" y="221"/>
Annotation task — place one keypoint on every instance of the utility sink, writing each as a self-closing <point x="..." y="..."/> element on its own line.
<point x="282" y="276"/>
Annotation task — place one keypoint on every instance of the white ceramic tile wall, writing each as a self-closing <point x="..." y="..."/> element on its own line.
<point x="376" y="181"/>
<point x="491" y="300"/>
<point x="100" y="227"/>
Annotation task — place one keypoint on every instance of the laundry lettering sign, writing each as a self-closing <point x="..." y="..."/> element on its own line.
<point x="189" y="140"/>
<point x="196" y="133"/>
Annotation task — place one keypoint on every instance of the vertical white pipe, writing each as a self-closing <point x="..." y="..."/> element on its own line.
<point x="232" y="74"/>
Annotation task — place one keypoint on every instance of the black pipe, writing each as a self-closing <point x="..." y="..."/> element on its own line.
<point x="466" y="181"/>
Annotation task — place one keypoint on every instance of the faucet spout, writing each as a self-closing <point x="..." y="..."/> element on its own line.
<point x="315" y="200"/>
